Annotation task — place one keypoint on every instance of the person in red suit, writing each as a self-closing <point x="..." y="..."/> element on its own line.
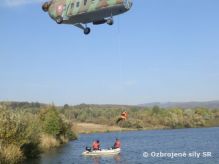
<point x="117" y="144"/>
<point x="96" y="145"/>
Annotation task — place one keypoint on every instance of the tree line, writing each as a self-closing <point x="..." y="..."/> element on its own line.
<point x="143" y="117"/>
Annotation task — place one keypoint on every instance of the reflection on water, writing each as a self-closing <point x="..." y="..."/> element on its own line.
<point x="97" y="159"/>
<point x="92" y="159"/>
<point x="134" y="144"/>
<point x="117" y="158"/>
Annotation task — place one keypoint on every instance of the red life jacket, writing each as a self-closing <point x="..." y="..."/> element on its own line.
<point x="96" y="146"/>
<point x="117" y="144"/>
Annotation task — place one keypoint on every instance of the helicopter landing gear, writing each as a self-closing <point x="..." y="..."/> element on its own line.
<point x="110" y="21"/>
<point x="86" y="29"/>
<point x="59" y="20"/>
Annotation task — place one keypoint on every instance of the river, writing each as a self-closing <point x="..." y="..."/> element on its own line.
<point x="156" y="145"/>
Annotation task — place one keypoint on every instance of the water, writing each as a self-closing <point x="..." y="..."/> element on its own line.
<point x="135" y="143"/>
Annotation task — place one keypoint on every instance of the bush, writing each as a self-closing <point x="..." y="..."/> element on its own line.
<point x="24" y="133"/>
<point x="56" y="128"/>
<point x="125" y="124"/>
<point x="48" y="142"/>
<point x="51" y="121"/>
<point x="17" y="130"/>
<point x="71" y="134"/>
<point x="10" y="154"/>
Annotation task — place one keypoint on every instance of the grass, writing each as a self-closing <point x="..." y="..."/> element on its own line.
<point x="97" y="128"/>
<point x="48" y="142"/>
<point x="10" y="154"/>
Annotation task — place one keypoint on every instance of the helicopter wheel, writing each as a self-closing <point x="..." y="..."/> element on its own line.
<point x="110" y="21"/>
<point x="87" y="30"/>
<point x="59" y="20"/>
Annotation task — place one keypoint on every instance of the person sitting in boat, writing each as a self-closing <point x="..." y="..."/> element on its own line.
<point x="94" y="142"/>
<point x="96" y="145"/>
<point x="117" y="144"/>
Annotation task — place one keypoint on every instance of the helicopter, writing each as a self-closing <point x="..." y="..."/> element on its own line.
<point x="81" y="12"/>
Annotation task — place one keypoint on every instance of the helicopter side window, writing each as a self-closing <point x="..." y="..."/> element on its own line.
<point x="78" y="4"/>
<point x="85" y="2"/>
<point x="72" y="5"/>
<point x="70" y="9"/>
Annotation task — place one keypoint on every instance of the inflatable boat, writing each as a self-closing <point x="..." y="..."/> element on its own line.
<point x="102" y="152"/>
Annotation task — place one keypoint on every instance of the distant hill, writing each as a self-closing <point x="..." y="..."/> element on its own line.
<point x="192" y="104"/>
<point x="26" y="104"/>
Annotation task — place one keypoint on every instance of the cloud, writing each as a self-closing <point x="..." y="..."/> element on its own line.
<point x="13" y="3"/>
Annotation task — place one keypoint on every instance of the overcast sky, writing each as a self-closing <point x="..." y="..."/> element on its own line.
<point x="159" y="51"/>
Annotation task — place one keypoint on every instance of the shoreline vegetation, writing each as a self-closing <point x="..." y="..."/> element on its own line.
<point x="29" y="129"/>
<point x="26" y="134"/>
<point x="90" y="128"/>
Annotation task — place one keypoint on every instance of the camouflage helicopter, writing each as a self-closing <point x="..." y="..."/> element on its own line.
<point x="81" y="12"/>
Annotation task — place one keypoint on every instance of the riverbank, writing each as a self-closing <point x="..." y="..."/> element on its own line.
<point x="89" y="128"/>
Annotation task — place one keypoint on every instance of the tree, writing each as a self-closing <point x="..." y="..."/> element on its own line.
<point x="52" y="122"/>
<point x="155" y="109"/>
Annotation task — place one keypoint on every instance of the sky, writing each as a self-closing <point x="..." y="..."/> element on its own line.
<point x="159" y="51"/>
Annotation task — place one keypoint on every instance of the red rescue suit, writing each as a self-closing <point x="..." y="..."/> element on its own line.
<point x="96" y="146"/>
<point x="117" y="144"/>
